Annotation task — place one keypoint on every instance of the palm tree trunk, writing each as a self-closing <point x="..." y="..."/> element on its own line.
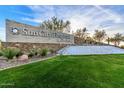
<point x="118" y="43"/>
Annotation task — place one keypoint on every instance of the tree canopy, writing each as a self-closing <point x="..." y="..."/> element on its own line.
<point x="99" y="35"/>
<point x="55" y="24"/>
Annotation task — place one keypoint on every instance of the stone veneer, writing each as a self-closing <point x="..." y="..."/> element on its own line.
<point x="20" y="32"/>
<point x="27" y="46"/>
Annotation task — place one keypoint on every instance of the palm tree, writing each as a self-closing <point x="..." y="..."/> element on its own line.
<point x="55" y="24"/>
<point x="99" y="35"/>
<point x="108" y="40"/>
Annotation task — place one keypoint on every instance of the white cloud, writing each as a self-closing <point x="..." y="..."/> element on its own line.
<point x="113" y="29"/>
<point x="111" y="15"/>
<point x="33" y="20"/>
<point x="40" y="14"/>
<point x="92" y="17"/>
<point x="22" y="13"/>
<point x="44" y="12"/>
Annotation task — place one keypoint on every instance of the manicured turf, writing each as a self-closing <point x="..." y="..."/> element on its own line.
<point x="68" y="71"/>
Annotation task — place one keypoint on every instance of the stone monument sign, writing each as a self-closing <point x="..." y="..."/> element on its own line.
<point x="19" y="32"/>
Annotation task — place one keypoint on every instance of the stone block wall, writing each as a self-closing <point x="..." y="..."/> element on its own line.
<point x="28" y="46"/>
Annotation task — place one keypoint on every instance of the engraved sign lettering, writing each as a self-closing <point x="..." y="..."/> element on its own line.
<point x="27" y="33"/>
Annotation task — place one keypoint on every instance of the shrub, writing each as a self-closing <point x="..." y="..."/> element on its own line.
<point x="122" y="46"/>
<point x="43" y="52"/>
<point x="32" y="52"/>
<point x="9" y="53"/>
<point x="0" y="53"/>
<point x="19" y="53"/>
<point x="1" y="45"/>
<point x="51" y="51"/>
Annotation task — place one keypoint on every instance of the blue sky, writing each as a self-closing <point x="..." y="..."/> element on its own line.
<point x="111" y="18"/>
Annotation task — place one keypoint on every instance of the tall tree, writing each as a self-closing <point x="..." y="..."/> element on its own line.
<point x="81" y="33"/>
<point x="99" y="35"/>
<point x="90" y="40"/>
<point x="55" y="24"/>
<point x="117" y="39"/>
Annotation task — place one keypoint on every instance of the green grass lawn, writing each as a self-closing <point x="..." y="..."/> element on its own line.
<point x="68" y="71"/>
